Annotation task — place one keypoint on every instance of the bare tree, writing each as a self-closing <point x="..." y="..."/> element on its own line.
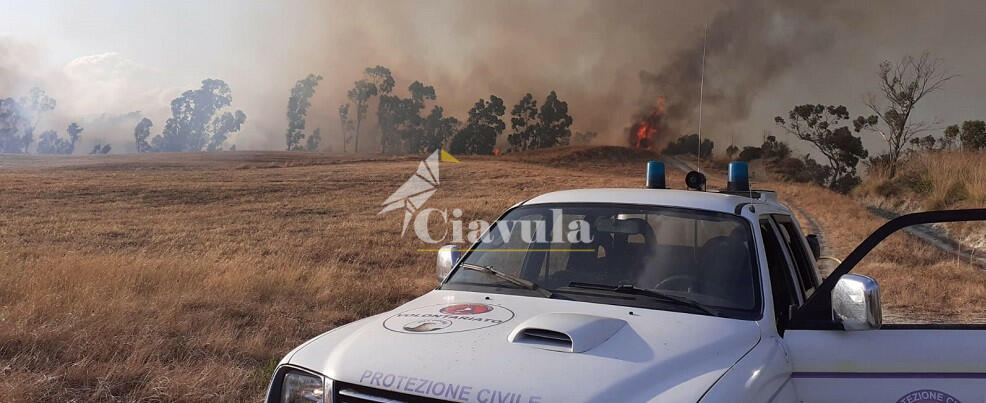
<point x="902" y="85"/>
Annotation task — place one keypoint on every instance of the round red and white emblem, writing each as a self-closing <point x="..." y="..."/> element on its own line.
<point x="440" y="319"/>
<point x="466" y="309"/>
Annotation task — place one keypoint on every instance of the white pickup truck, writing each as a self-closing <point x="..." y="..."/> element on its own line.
<point x="674" y="296"/>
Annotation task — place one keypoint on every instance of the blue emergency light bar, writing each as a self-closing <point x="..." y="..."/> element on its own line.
<point x="739" y="177"/>
<point x="655" y="175"/>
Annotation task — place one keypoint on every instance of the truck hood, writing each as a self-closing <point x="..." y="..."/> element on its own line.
<point x="477" y="347"/>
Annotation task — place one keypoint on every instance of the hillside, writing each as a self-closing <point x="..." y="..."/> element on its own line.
<point x="182" y="276"/>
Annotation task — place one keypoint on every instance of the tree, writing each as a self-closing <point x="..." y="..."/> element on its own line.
<point x="412" y="128"/>
<point x="437" y="130"/>
<point x="298" y="104"/>
<point x="524" y="123"/>
<point x="802" y="170"/>
<point x="50" y="143"/>
<point x="381" y="78"/>
<point x="360" y="96"/>
<point x="346" y="125"/>
<point x="817" y="124"/>
<point x="14" y="125"/>
<point x="378" y="80"/>
<point x="74" y="132"/>
<point x="19" y="120"/>
<point x="35" y="104"/>
<point x="926" y="143"/>
<point x="750" y="153"/>
<point x="311" y="144"/>
<point x="973" y="135"/>
<point x="690" y="145"/>
<point x="553" y="123"/>
<point x="390" y="115"/>
<point x="902" y="85"/>
<point x="482" y="128"/>
<point x="774" y="150"/>
<point x="401" y="125"/>
<point x="223" y="126"/>
<point x="141" y="133"/>
<point x="196" y="123"/>
<point x="544" y="128"/>
<point x="950" y="138"/>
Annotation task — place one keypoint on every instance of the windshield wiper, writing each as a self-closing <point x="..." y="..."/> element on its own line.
<point x="632" y="289"/>
<point x="526" y="284"/>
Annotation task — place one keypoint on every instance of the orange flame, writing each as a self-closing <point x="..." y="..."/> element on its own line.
<point x="645" y="131"/>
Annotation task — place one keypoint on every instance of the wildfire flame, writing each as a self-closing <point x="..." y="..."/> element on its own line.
<point x="644" y="133"/>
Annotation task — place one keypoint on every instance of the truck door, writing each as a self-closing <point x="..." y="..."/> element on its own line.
<point x="886" y="363"/>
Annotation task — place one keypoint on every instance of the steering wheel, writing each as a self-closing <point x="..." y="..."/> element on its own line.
<point x="679" y="282"/>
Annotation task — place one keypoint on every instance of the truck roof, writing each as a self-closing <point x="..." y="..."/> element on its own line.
<point x="707" y="200"/>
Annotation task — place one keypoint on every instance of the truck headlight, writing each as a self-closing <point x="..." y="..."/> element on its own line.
<point x="301" y="387"/>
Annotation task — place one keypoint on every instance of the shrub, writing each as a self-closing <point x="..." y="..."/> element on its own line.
<point x="750" y="153"/>
<point x="688" y="145"/>
<point x="917" y="181"/>
<point x="889" y="188"/>
<point x="802" y="170"/>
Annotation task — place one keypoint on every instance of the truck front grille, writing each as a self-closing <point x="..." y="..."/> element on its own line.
<point x="351" y="393"/>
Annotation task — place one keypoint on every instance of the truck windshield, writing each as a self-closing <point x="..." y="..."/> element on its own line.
<point x="654" y="257"/>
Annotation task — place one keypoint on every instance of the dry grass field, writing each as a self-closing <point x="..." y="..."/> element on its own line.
<point x="186" y="277"/>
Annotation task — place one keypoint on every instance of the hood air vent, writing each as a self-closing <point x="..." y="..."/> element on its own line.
<point x="567" y="332"/>
<point x="548" y="338"/>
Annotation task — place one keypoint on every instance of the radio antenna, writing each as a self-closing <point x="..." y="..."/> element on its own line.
<point x="701" y="96"/>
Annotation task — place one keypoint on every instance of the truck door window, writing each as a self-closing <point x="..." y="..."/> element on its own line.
<point x="802" y="257"/>
<point x="781" y="279"/>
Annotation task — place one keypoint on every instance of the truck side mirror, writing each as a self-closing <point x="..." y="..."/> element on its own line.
<point x="856" y="303"/>
<point x="448" y="255"/>
<point x="815" y="245"/>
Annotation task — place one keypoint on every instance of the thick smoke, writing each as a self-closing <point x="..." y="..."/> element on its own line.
<point x="749" y="46"/>
<point x="104" y="93"/>
<point x="610" y="60"/>
<point x="16" y="59"/>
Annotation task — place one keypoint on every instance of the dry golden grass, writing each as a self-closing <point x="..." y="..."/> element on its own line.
<point x="934" y="181"/>
<point x="186" y="277"/>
